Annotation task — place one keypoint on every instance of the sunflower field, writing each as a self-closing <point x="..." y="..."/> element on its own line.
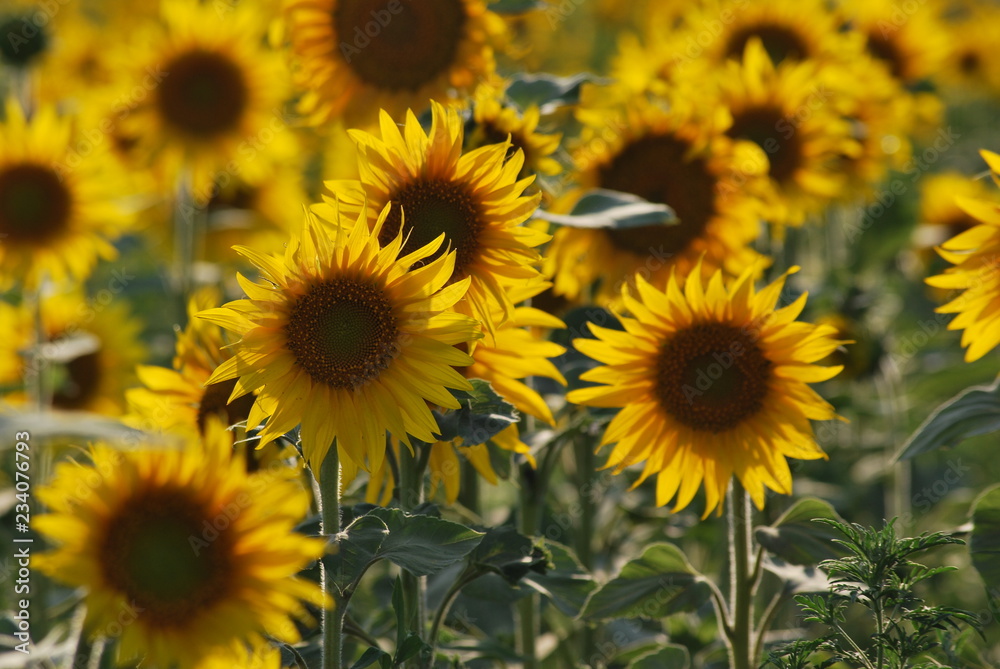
<point x="481" y="334"/>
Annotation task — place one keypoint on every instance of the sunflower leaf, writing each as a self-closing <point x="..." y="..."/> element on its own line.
<point x="355" y="550"/>
<point x="483" y="414"/>
<point x="548" y="92"/>
<point x="973" y="412"/>
<point x="602" y="208"/>
<point x="423" y="545"/>
<point x="795" y="538"/>
<point x="658" y="583"/>
<point x="507" y="552"/>
<point x="670" y="656"/>
<point x="371" y="656"/>
<point x="984" y="544"/>
<point x="566" y="584"/>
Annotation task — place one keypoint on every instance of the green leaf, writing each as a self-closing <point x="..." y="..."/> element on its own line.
<point x="984" y="544"/>
<point x="972" y="412"/>
<point x="355" y="550"/>
<point x="483" y="414"/>
<point x="411" y="647"/>
<point x="516" y="6"/>
<point x="601" y="208"/>
<point x="671" y="656"/>
<point x="567" y="584"/>
<point x="508" y="553"/>
<point x="795" y="538"/>
<point x="423" y="545"/>
<point x="371" y="656"/>
<point x="547" y="91"/>
<point x="658" y="583"/>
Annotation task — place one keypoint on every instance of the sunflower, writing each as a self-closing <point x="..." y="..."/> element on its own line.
<point x="197" y="555"/>
<point x="941" y="214"/>
<point x="358" y="56"/>
<point x="347" y="342"/>
<point x="910" y="45"/>
<point x="475" y="199"/>
<point x="178" y="398"/>
<point x="58" y="208"/>
<point x="494" y="121"/>
<point x="673" y="157"/>
<point x="28" y="32"/>
<point x="789" y="112"/>
<point x="969" y="67"/>
<point x="517" y="352"/>
<point x="94" y="380"/>
<point x="788" y="30"/>
<point x="215" y="96"/>
<point x="975" y="255"/>
<point x="712" y="381"/>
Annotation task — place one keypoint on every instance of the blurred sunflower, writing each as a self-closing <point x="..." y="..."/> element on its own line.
<point x="179" y="398"/>
<point x="215" y="95"/>
<point x="358" y="56"/>
<point x="711" y="381"/>
<point x="941" y="214"/>
<point x="475" y="199"/>
<point x="344" y="340"/>
<point x="969" y="67"/>
<point x="975" y="254"/>
<point x="201" y="555"/>
<point x="671" y="157"/>
<point x="494" y="121"/>
<point x="883" y="117"/>
<point x="106" y="342"/>
<point x="788" y="113"/>
<point x="58" y="208"/>
<point x="910" y="45"/>
<point x="788" y="30"/>
<point x="78" y="63"/>
<point x="28" y="33"/>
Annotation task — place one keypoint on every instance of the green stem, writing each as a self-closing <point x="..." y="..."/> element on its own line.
<point x="187" y="221"/>
<point x="766" y="619"/>
<point x="442" y="611"/>
<point x="527" y="606"/>
<point x="411" y="495"/>
<point x="333" y="620"/>
<point x="740" y="576"/>
<point x="39" y="362"/>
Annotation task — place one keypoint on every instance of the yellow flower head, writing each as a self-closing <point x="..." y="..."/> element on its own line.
<point x="475" y="199"/>
<point x="495" y="121"/>
<point x="204" y="97"/>
<point x="788" y="114"/>
<point x="182" y="554"/>
<point x="358" y="57"/>
<point x="344" y="339"/>
<point x="672" y="157"/>
<point x="975" y="255"/>
<point x="712" y="380"/>
<point x="58" y="210"/>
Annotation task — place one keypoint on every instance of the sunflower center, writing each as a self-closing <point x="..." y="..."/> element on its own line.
<point x="343" y="332"/>
<point x="970" y="62"/>
<point x="884" y="49"/>
<point x="431" y="207"/>
<point x="780" y="42"/>
<point x="34" y="205"/>
<point x="712" y="376"/>
<point x="762" y="126"/>
<point x="204" y="95"/>
<point x="214" y="402"/>
<point x="399" y="46"/>
<point x="21" y="41"/>
<point x="655" y="168"/>
<point x="167" y="554"/>
<point x="82" y="384"/>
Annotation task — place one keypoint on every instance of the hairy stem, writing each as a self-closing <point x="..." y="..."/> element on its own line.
<point x="741" y="577"/>
<point x="333" y="620"/>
